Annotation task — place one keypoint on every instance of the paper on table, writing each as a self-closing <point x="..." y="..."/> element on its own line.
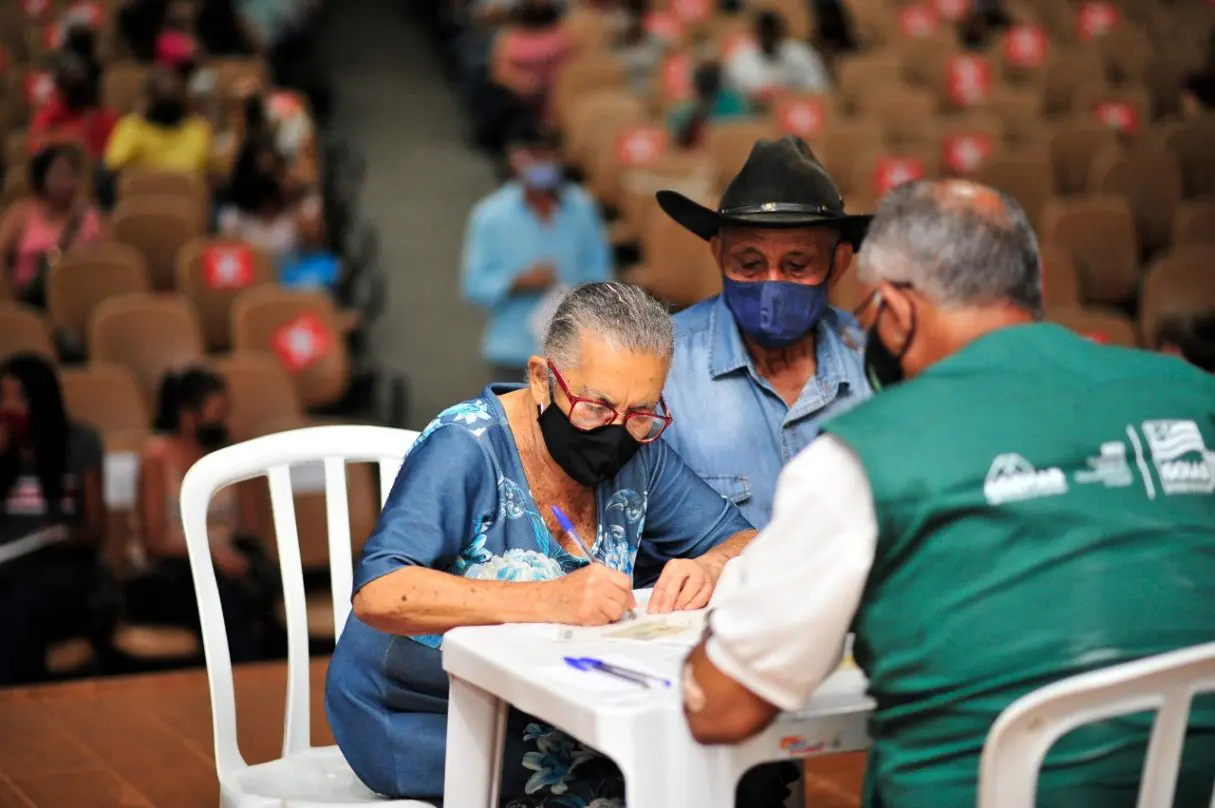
<point x="678" y="628"/>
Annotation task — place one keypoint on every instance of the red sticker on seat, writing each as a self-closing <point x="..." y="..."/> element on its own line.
<point x="36" y="8"/>
<point x="918" y="20"/>
<point x="736" y="42"/>
<point x="302" y="341"/>
<point x="1096" y="19"/>
<point x="1118" y="115"/>
<point x="284" y="105"/>
<point x="1097" y="337"/>
<point x="641" y="145"/>
<point x="952" y="10"/>
<point x="39" y="88"/>
<point x="693" y="10"/>
<point x="664" y="25"/>
<point x="968" y="80"/>
<point x="965" y="153"/>
<point x="677" y="77"/>
<point x="803" y="117"/>
<point x="227" y="266"/>
<point x="1026" y="46"/>
<point x="892" y="171"/>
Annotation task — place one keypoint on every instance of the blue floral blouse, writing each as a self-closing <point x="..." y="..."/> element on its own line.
<point x="461" y="504"/>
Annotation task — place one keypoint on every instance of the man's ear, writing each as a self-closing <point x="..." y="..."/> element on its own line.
<point x="844" y="253"/>
<point x="898" y="307"/>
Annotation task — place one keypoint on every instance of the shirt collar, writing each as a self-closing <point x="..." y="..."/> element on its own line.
<point x="727" y="353"/>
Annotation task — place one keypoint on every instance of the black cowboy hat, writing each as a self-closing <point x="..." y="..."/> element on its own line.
<point x="781" y="185"/>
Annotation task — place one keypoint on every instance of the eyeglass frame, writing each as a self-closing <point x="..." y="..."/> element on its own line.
<point x="666" y="417"/>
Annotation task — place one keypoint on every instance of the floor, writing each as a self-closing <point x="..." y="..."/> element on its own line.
<point x="145" y="741"/>
<point x="395" y="105"/>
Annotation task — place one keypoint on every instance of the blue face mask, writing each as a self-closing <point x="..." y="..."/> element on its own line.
<point x="542" y="176"/>
<point x="775" y="313"/>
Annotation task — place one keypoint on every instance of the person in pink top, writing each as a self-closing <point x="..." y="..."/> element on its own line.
<point x="54" y="219"/>
<point x="529" y="54"/>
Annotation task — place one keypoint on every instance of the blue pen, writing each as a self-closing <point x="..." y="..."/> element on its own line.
<point x="568" y="527"/>
<point x="628" y="674"/>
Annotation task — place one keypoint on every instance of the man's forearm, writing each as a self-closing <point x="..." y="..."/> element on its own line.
<point x="730" y="548"/>
<point x="416" y="600"/>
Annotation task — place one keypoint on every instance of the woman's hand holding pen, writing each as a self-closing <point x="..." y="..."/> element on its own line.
<point x="592" y="596"/>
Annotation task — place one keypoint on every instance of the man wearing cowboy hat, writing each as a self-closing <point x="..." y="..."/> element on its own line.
<point x="759" y="367"/>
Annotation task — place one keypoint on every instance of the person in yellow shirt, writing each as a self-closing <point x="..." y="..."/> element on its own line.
<point x="164" y="135"/>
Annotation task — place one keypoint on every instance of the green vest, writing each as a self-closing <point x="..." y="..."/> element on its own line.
<point x="1045" y="508"/>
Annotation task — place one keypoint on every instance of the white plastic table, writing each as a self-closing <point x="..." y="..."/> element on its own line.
<point x="492" y="668"/>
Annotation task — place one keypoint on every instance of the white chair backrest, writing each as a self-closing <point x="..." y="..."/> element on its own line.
<point x="273" y="456"/>
<point x="1026" y="730"/>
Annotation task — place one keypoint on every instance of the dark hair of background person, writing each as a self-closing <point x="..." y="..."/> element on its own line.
<point x="219" y="31"/>
<point x="44" y="158"/>
<point x="81" y="41"/>
<point x="48" y="430"/>
<point x="1193" y="335"/>
<point x="139" y="23"/>
<point x="77" y="85"/>
<point x="257" y="123"/>
<point x="833" y="26"/>
<point x="251" y="186"/>
<point x="537" y="13"/>
<point x="187" y="390"/>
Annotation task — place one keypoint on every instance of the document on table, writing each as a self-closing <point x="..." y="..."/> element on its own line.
<point x="678" y="628"/>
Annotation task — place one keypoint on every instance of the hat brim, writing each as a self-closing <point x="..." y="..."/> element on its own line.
<point x="706" y="222"/>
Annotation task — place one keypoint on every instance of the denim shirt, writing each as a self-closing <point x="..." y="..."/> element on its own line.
<point x="731" y="426"/>
<point x="461" y="505"/>
<point x="505" y="239"/>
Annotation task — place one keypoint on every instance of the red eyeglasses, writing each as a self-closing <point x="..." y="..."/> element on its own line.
<point x="645" y="426"/>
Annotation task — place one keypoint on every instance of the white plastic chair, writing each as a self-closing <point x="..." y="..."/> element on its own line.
<point x="1026" y="730"/>
<point x="305" y="776"/>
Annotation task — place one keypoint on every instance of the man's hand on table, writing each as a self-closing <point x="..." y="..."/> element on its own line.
<point x="592" y="596"/>
<point x="685" y="584"/>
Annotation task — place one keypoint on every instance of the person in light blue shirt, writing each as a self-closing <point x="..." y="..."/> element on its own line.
<point x="758" y="368"/>
<point x="468" y="537"/>
<point x="535" y="234"/>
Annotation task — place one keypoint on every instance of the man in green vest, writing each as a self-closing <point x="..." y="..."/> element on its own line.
<point x="1015" y="506"/>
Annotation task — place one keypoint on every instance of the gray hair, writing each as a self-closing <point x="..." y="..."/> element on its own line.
<point x="960" y="243"/>
<point x="622" y="315"/>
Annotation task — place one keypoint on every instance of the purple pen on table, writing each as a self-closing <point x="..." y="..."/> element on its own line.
<point x="568" y="527"/>
<point x="647" y="680"/>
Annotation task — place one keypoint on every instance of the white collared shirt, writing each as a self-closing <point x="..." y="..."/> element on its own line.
<point x="783" y="607"/>
<point x="796" y="67"/>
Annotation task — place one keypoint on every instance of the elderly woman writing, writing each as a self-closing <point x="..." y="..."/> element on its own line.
<point x="467" y="538"/>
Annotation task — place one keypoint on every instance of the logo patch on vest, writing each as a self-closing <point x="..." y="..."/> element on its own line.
<point x="1180" y="455"/>
<point x="1110" y="468"/>
<point x="1012" y="478"/>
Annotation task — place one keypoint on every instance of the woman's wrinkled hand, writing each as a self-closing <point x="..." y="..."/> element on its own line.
<point x="592" y="596"/>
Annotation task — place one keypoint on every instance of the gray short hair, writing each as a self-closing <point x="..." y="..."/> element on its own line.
<point x="947" y="239"/>
<point x="623" y="315"/>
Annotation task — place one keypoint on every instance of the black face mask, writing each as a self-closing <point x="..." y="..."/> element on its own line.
<point x="588" y="458"/>
<point x="166" y="111"/>
<point x="211" y="436"/>
<point x="884" y="367"/>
